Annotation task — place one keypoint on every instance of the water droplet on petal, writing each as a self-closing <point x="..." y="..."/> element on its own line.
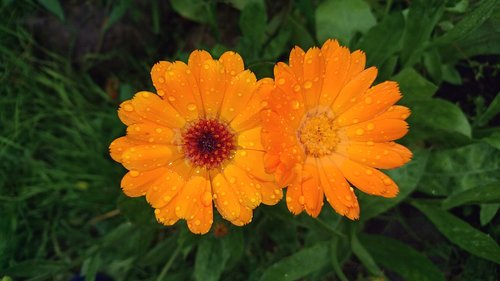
<point x="308" y="85"/>
<point x="191" y="107"/>
<point x="134" y="173"/>
<point x="128" y="108"/>
<point x="360" y="132"/>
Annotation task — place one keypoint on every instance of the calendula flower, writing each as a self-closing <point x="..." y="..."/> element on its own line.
<point x="197" y="141"/>
<point x="326" y="128"/>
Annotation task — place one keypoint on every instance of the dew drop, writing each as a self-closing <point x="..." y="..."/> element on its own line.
<point x="302" y="200"/>
<point x="191" y="107"/>
<point x="295" y="104"/>
<point x="134" y="173"/>
<point x="171" y="98"/>
<point x="308" y="85"/>
<point x="128" y="108"/>
<point x="370" y="126"/>
<point x="360" y="132"/>
<point x="368" y="100"/>
<point x="281" y="81"/>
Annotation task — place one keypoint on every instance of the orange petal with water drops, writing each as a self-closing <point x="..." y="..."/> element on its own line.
<point x="166" y="214"/>
<point x="385" y="155"/>
<point x="191" y="196"/>
<point x="153" y="108"/>
<point x="196" y="60"/>
<point x="271" y="162"/>
<point x="212" y="84"/>
<point x="314" y="68"/>
<point x="277" y="135"/>
<point x="377" y="130"/>
<point x="250" y="161"/>
<point x="232" y="62"/>
<point x="358" y="60"/>
<point x="238" y="92"/>
<point x="376" y="100"/>
<point x="158" y="73"/>
<point x="119" y="145"/>
<point x="202" y="221"/>
<point x="249" y="116"/>
<point x="226" y="198"/>
<point x="367" y="179"/>
<point x="294" y="196"/>
<point x="311" y="189"/>
<point x="395" y="112"/>
<point x="146" y="157"/>
<point x="287" y="99"/>
<point x="328" y="48"/>
<point x="296" y="62"/>
<point x="182" y="91"/>
<point x="128" y="115"/>
<point x="150" y="133"/>
<point x="354" y="89"/>
<point x="251" y="139"/>
<point x="136" y="183"/>
<point x="245" y="217"/>
<point x="336" y="71"/>
<point x="164" y="189"/>
<point x="248" y="194"/>
<point x="337" y="190"/>
<point x="270" y="192"/>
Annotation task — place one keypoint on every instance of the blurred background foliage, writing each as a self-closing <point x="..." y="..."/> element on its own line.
<point x="66" y="65"/>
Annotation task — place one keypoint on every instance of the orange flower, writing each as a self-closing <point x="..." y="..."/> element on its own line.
<point x="197" y="141"/>
<point x="326" y="128"/>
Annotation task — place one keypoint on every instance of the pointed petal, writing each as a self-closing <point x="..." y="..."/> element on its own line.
<point x="336" y="71"/>
<point x="354" y="89"/>
<point x="238" y="92"/>
<point x="248" y="194"/>
<point x="150" y="133"/>
<point x="195" y="61"/>
<point x="153" y="108"/>
<point x="164" y="189"/>
<point x="146" y="157"/>
<point x="314" y="68"/>
<point x="386" y="155"/>
<point x="232" y="62"/>
<point x="212" y="86"/>
<point x="226" y="198"/>
<point x="136" y="183"/>
<point x="119" y="145"/>
<point x="377" y="130"/>
<point x="190" y="197"/>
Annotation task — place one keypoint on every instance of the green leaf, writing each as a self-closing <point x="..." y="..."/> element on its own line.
<point x="420" y="22"/>
<point x="341" y="19"/>
<point x="253" y="23"/>
<point x="492" y="111"/>
<point x="414" y="86"/>
<point x="401" y="258"/>
<point x="298" y="265"/>
<point x="211" y="258"/>
<point x="481" y="194"/>
<point x="117" y="13"/>
<point x="454" y="170"/>
<point x="363" y="255"/>
<point x="53" y="6"/>
<point x="493" y="139"/>
<point x="300" y="35"/>
<point x="469" y="23"/>
<point x="379" y="44"/>
<point x="488" y="212"/>
<point x="136" y="210"/>
<point x="451" y="74"/>
<point x="335" y="259"/>
<point x="434" y="115"/>
<point x="35" y="268"/>
<point x="432" y="62"/>
<point x="461" y="233"/>
<point x="90" y="267"/>
<point x="195" y="10"/>
<point x="407" y="178"/>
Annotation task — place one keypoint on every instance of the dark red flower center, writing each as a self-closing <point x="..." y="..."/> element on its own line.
<point x="208" y="143"/>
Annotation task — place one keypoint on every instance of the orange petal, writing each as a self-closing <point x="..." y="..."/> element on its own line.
<point x="191" y="196"/>
<point x="287" y="99"/>
<point x="328" y="48"/>
<point x="164" y="189"/>
<point x="153" y="108"/>
<point x="119" y="145"/>
<point x="355" y="88"/>
<point x="146" y="157"/>
<point x="387" y="155"/>
<point x="226" y="198"/>
<point x="294" y="196"/>
<point x="336" y="71"/>
<point x="212" y="84"/>
<point x="358" y="60"/>
<point x="296" y="62"/>
<point x="232" y="62"/>
<point x="238" y="92"/>
<point x="367" y="179"/>
<point x="376" y="100"/>
<point x="314" y="68"/>
<point x="280" y="138"/>
<point x="337" y="190"/>
<point x="166" y="214"/>
<point x="158" y="74"/>
<point x="251" y="162"/>
<point x="270" y="192"/>
<point x="136" y="183"/>
<point x="377" y="130"/>
<point x="251" y="139"/>
<point x="244" y="218"/>
<point x="127" y="114"/>
<point x="248" y="194"/>
<point x="311" y="189"/>
<point x="195" y="61"/>
<point x="202" y="221"/>
<point x="395" y="112"/>
<point x="149" y="132"/>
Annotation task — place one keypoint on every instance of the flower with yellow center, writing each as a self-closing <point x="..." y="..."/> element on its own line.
<point x="326" y="128"/>
<point x="197" y="142"/>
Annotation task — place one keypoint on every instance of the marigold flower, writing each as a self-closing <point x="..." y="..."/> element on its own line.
<point x="198" y="141"/>
<point x="326" y="127"/>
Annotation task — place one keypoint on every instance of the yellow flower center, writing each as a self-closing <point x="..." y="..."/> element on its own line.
<point x="318" y="135"/>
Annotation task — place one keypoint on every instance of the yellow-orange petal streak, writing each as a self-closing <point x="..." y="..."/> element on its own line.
<point x="136" y="183"/>
<point x="351" y="92"/>
<point x="166" y="214"/>
<point x="153" y="108"/>
<point x="336" y="71"/>
<point x="314" y="68"/>
<point x="164" y="189"/>
<point x="248" y="194"/>
<point x="239" y="90"/>
<point x="377" y="130"/>
<point x="311" y="189"/>
<point x="119" y="145"/>
<point x="202" y="220"/>
<point x="190" y="196"/>
<point x="232" y="62"/>
<point x="386" y="155"/>
<point x="146" y="157"/>
<point x="212" y="86"/>
<point x="195" y="61"/>
<point x="226" y="198"/>
<point x="127" y="114"/>
<point x="150" y="133"/>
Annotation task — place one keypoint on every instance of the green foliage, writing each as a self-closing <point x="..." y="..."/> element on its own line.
<point x="63" y="215"/>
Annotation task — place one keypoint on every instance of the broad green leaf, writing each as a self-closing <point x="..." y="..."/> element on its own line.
<point x="492" y="111"/>
<point x="53" y="6"/>
<point x="401" y="258"/>
<point x="432" y="62"/>
<point x="420" y="22"/>
<point x="379" y="44"/>
<point x="435" y="115"/>
<point x="493" y="139"/>
<point x="253" y="22"/>
<point x="481" y="194"/>
<point x="469" y="23"/>
<point x="407" y="178"/>
<point x="211" y="259"/>
<point x="298" y="265"/>
<point x="454" y="170"/>
<point x="414" y="86"/>
<point x="195" y="10"/>
<point x="488" y="212"/>
<point x="451" y="74"/>
<point x="461" y="233"/>
<point x="341" y="19"/>
<point x="363" y="255"/>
